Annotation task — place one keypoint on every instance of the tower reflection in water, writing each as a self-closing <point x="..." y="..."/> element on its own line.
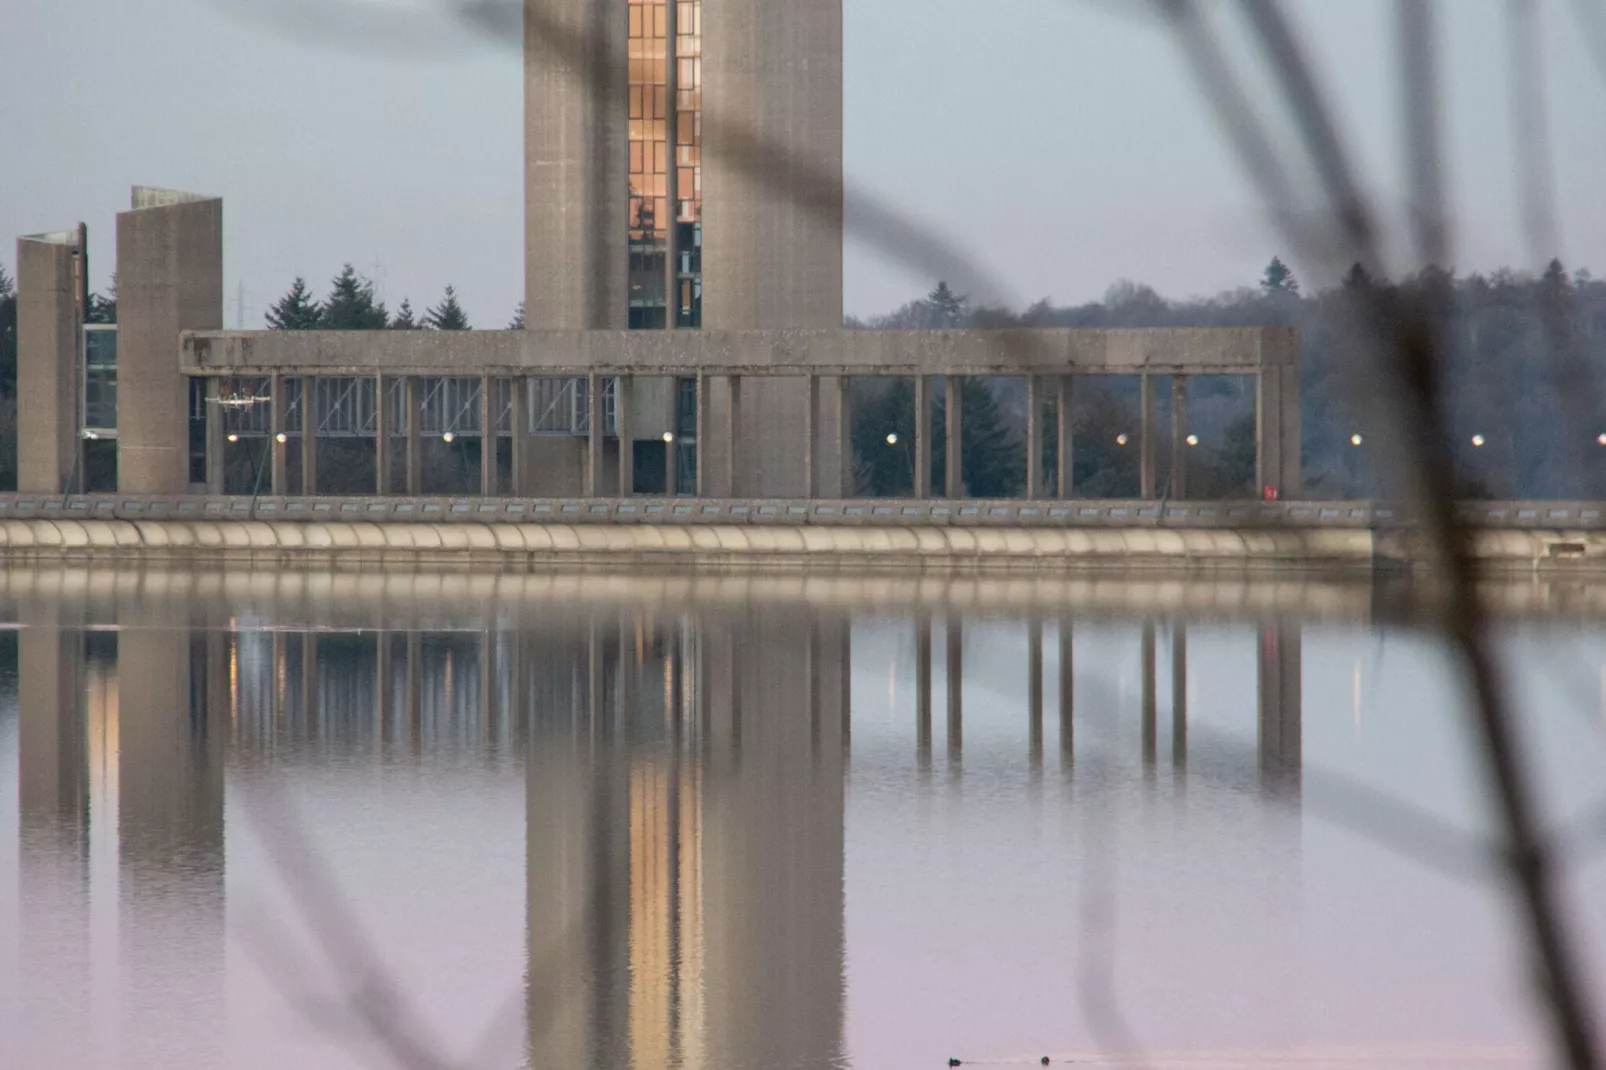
<point x="684" y="795"/>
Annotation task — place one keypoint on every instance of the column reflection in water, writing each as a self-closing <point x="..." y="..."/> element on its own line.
<point x="685" y="846"/>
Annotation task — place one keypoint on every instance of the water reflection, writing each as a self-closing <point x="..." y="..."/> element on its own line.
<point x="684" y="779"/>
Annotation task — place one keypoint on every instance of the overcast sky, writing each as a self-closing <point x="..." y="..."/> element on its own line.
<point x="1059" y="141"/>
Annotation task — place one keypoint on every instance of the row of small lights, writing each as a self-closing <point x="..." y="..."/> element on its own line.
<point x="281" y="438"/>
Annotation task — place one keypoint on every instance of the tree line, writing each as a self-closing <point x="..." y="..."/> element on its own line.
<point x="352" y="306"/>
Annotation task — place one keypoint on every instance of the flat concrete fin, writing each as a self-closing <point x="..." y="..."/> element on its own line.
<point x="157" y="197"/>
<point x="54" y="237"/>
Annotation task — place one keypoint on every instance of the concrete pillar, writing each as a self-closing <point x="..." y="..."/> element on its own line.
<point x="1067" y="693"/>
<point x="955" y="413"/>
<point x="923" y="690"/>
<point x="520" y="421"/>
<point x="1147" y="418"/>
<point x="594" y="416"/>
<point x="704" y="426"/>
<point x="49" y="318"/>
<point x="733" y="425"/>
<point x="811" y="416"/>
<point x="772" y="164"/>
<point x="1179" y="694"/>
<point x="1034" y="438"/>
<point x="279" y="405"/>
<point x="843" y="417"/>
<point x="922" y="488"/>
<point x="214" y="437"/>
<point x="489" y="410"/>
<point x="955" y="664"/>
<point x="383" y="417"/>
<point x="169" y="279"/>
<point x="1063" y="442"/>
<point x="309" y="436"/>
<point x="1179" y="437"/>
<point x="1034" y="691"/>
<point x="576" y="170"/>
<point x="412" y="394"/>
<point x="1150" y="728"/>
<point x="1281" y="703"/>
<point x="671" y="465"/>
<point x="1277" y="429"/>
<point x="627" y="452"/>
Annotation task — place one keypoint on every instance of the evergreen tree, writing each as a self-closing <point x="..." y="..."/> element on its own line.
<point x="404" y="319"/>
<point x="994" y="459"/>
<point x="518" y="318"/>
<point x="296" y="310"/>
<point x="8" y="334"/>
<point x="1279" y="279"/>
<point x="351" y="305"/>
<point x="945" y="309"/>
<point x="103" y="309"/>
<point x="448" y="315"/>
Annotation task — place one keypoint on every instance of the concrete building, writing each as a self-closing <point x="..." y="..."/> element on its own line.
<point x="683" y="273"/>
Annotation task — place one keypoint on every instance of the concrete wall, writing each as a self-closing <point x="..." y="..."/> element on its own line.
<point x="1204" y="351"/>
<point x="772" y="164"/>
<point x="575" y="164"/>
<point x="169" y="279"/>
<point x="47" y="364"/>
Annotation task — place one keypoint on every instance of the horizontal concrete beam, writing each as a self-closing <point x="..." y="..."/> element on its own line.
<point x="1223" y="351"/>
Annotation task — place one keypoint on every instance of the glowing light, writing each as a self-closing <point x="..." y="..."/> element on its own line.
<point x="1478" y="440"/>
<point x="281" y="438"/>
<point x="448" y="437"/>
<point x="892" y="438"/>
<point x="669" y="436"/>
<point x="1120" y="440"/>
<point x="1193" y="440"/>
<point x="1601" y="440"/>
<point x="234" y="438"/>
<point x="1355" y="440"/>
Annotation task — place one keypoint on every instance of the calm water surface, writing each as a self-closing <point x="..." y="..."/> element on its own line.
<point x="761" y="835"/>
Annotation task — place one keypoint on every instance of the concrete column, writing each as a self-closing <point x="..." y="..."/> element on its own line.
<point x="488" y="414"/>
<point x="1034" y="438"/>
<point x="1281" y="703"/>
<point x="844" y="440"/>
<point x="811" y="414"/>
<point x="1147" y="418"/>
<point x="214" y="437"/>
<point x="704" y="426"/>
<point x="954" y="663"/>
<point x="576" y="168"/>
<point x="594" y="413"/>
<point x="1067" y="693"/>
<point x="1063" y="442"/>
<point x="412" y="394"/>
<point x="1179" y="694"/>
<point x="279" y="405"/>
<point x="627" y="452"/>
<point x="309" y="436"/>
<point x="169" y="279"/>
<point x="1150" y="730"/>
<point x="383" y="418"/>
<point x="1179" y="437"/>
<point x="955" y="413"/>
<point x="733" y="424"/>
<point x="1034" y="691"/>
<point x="520" y="420"/>
<point x="1277" y="429"/>
<point x="48" y="329"/>
<point x="922" y="488"/>
<point x="923" y="690"/>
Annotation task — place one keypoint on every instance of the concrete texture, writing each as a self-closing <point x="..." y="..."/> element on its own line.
<point x="1203" y="351"/>
<point x="575" y="165"/>
<point x="48" y="320"/>
<point x="170" y="279"/>
<point x="772" y="164"/>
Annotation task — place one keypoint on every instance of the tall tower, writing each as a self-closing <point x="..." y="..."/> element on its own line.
<point x="683" y="163"/>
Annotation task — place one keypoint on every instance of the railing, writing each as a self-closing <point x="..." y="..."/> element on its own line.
<point x="884" y="512"/>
